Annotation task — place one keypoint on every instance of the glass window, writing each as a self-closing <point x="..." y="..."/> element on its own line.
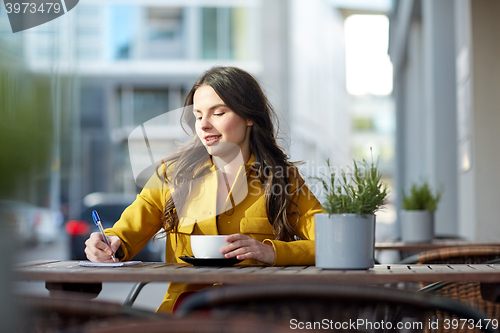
<point x="164" y="33"/>
<point x="121" y="30"/>
<point x="175" y="32"/>
<point x="217" y="33"/>
<point x="148" y="104"/>
<point x="209" y="29"/>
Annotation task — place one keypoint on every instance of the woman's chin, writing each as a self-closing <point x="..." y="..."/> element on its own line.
<point x="223" y="149"/>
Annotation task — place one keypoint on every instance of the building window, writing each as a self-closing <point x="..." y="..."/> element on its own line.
<point x="163" y="35"/>
<point x="149" y="104"/>
<point x="165" y="32"/>
<point x="139" y="105"/>
<point x="121" y="31"/>
<point x="217" y="33"/>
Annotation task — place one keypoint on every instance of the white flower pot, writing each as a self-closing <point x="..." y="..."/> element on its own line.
<point x="417" y="226"/>
<point x="344" y="241"/>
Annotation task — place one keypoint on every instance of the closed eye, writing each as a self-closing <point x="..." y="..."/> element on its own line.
<point x="199" y="116"/>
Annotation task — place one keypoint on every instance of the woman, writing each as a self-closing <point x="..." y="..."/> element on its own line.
<point x="231" y="179"/>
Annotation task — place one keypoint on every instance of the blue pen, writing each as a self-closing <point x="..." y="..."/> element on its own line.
<point x="97" y="222"/>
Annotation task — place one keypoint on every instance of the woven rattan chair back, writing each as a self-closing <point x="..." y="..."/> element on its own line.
<point x="338" y="307"/>
<point x="467" y="292"/>
<point x="69" y="312"/>
<point x="188" y="325"/>
<point x="460" y="255"/>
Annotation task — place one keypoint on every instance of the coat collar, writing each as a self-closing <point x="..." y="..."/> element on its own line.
<point x="204" y="213"/>
<point x="209" y="164"/>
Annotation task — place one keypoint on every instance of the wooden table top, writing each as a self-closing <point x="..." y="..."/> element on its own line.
<point x="70" y="272"/>
<point x="435" y="244"/>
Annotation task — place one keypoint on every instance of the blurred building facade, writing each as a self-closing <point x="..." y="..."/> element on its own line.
<point x="122" y="63"/>
<point x="127" y="62"/>
<point x="446" y="79"/>
<point x="132" y="61"/>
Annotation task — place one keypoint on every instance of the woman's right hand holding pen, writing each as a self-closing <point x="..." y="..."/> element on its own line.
<point x="97" y="250"/>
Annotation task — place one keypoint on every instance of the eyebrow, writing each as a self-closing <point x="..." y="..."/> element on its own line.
<point x="211" y="108"/>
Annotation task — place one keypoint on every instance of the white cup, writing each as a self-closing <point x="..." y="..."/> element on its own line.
<point x="208" y="246"/>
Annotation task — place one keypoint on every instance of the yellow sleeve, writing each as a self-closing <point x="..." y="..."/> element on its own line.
<point x="299" y="252"/>
<point x="142" y="219"/>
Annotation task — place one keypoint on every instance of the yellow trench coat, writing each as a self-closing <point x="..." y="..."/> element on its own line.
<point x="142" y="220"/>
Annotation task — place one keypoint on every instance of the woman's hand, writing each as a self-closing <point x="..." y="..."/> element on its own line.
<point x="97" y="250"/>
<point x="244" y="247"/>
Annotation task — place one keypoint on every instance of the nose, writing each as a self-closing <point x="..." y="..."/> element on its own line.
<point x="205" y="123"/>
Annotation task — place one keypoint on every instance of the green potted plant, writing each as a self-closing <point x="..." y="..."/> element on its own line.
<point x="345" y="233"/>
<point x="417" y="215"/>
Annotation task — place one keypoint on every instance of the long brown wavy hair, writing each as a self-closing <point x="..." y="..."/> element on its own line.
<point x="242" y="94"/>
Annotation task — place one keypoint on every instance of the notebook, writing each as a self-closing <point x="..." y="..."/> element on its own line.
<point x="108" y="264"/>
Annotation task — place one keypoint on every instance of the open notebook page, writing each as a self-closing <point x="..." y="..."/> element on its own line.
<point x="108" y="264"/>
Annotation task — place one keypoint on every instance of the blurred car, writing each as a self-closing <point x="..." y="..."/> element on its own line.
<point x="109" y="206"/>
<point x="29" y="223"/>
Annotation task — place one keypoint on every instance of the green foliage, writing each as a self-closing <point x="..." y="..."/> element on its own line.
<point x="362" y="194"/>
<point x="421" y="198"/>
<point x="26" y="129"/>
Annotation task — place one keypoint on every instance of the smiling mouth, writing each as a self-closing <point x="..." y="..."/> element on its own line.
<point x="212" y="139"/>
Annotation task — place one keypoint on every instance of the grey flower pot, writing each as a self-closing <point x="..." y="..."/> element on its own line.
<point x="417" y="226"/>
<point x="344" y="241"/>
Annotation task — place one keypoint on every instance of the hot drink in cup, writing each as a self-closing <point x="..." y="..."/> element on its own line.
<point x="208" y="246"/>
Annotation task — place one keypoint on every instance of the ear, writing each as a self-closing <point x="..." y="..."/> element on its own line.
<point x="249" y="123"/>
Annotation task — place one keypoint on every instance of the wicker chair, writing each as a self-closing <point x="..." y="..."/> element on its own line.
<point x="467" y="292"/>
<point x="455" y="255"/>
<point x="377" y="309"/>
<point x="68" y="312"/>
<point x="460" y="255"/>
<point x="188" y="325"/>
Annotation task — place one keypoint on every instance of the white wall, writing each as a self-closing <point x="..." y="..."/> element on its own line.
<point x="320" y="122"/>
<point x="449" y="67"/>
<point x="422" y="51"/>
<point x="273" y="32"/>
<point x="478" y="100"/>
<point x="465" y="174"/>
<point x="486" y="116"/>
<point x="440" y="108"/>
